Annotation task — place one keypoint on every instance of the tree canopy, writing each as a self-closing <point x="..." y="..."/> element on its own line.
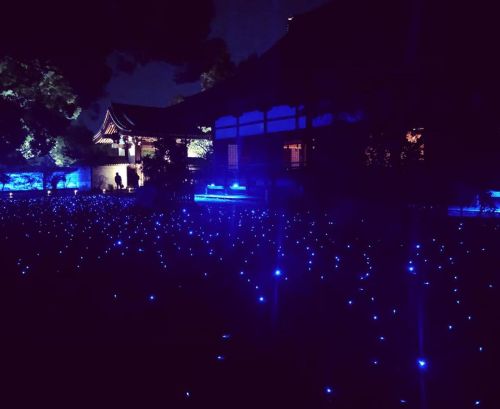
<point x="37" y="105"/>
<point x="168" y="168"/>
<point x="78" y="38"/>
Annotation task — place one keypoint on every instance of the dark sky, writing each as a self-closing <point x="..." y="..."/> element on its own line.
<point x="247" y="26"/>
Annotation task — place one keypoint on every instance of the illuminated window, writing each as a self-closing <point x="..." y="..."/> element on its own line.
<point x="413" y="148"/>
<point x="295" y="154"/>
<point x="147" y="151"/>
<point x="232" y="156"/>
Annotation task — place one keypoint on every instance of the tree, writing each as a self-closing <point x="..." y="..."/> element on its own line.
<point x="168" y="168"/>
<point x="222" y="69"/>
<point x="177" y="99"/>
<point x="76" y="145"/>
<point x="202" y="148"/>
<point x="172" y="31"/>
<point x="37" y="105"/>
<point x="212" y="65"/>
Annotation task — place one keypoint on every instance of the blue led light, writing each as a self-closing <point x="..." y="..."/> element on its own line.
<point x="236" y="186"/>
<point x="260" y="237"/>
<point x="213" y="186"/>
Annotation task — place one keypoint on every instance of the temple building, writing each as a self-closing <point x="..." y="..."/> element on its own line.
<point x="272" y="123"/>
<point x="129" y="133"/>
<point x="341" y="103"/>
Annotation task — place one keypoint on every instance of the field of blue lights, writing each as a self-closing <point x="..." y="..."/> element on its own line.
<point x="215" y="306"/>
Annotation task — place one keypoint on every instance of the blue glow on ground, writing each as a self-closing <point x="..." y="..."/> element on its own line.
<point x="213" y="186"/>
<point x="212" y="198"/>
<point x="236" y="186"/>
<point x="199" y="263"/>
<point x="422" y="363"/>
<point x="472" y="211"/>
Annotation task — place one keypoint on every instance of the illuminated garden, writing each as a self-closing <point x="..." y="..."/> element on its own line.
<point x="255" y="204"/>
<point x="239" y="306"/>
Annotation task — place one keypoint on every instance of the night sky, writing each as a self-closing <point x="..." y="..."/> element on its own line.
<point x="247" y="27"/>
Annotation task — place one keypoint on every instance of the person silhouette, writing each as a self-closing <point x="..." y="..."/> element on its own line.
<point x="118" y="181"/>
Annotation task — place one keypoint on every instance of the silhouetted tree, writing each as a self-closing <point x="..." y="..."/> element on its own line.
<point x="221" y="69"/>
<point x="177" y="99"/>
<point x="168" y="168"/>
<point x="174" y="31"/>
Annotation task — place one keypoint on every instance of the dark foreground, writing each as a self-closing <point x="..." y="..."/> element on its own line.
<point x="106" y="305"/>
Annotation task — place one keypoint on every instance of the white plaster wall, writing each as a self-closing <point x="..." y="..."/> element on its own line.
<point x="103" y="176"/>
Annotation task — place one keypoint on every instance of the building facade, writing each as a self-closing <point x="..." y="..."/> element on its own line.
<point x="129" y="133"/>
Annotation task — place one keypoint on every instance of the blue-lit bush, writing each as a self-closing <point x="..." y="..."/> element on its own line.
<point x="73" y="178"/>
<point x="23" y="181"/>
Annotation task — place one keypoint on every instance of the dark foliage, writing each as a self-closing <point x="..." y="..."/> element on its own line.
<point x="79" y="37"/>
<point x="168" y="170"/>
